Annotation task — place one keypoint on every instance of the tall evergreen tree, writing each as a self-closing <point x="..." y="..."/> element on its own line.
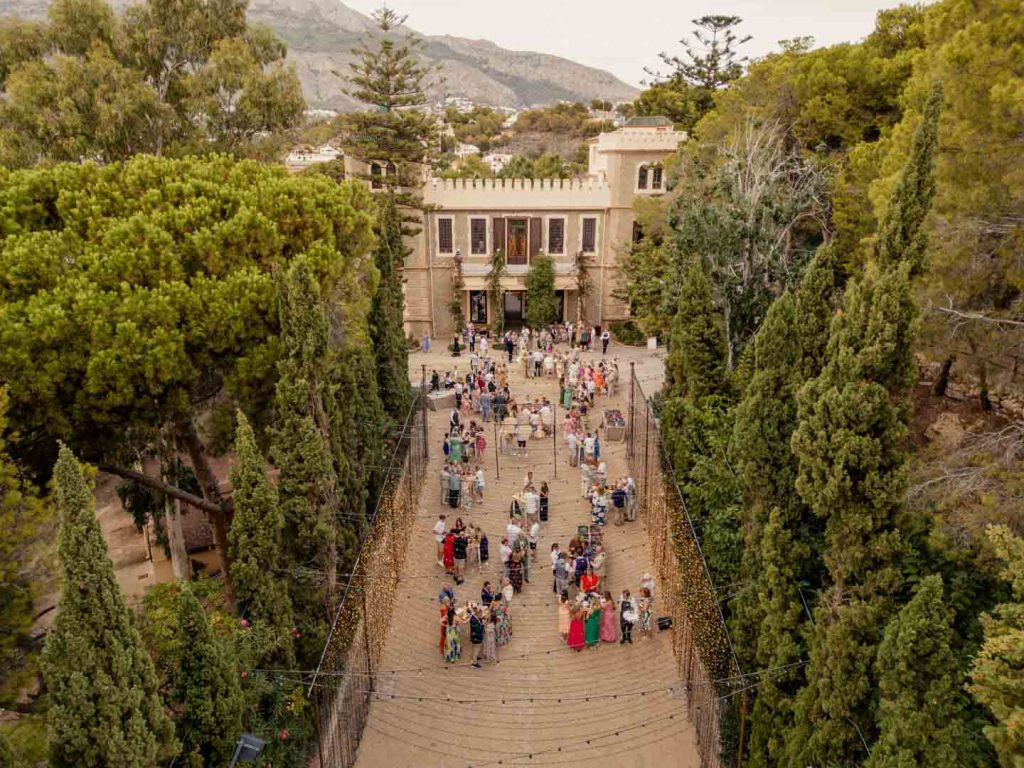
<point x="255" y="535"/>
<point x="302" y="451"/>
<point x="695" y="366"/>
<point x="850" y="446"/>
<point x="394" y="133"/>
<point x="901" y="234"/>
<point x="388" y="314"/>
<point x="997" y="676"/>
<point x="542" y="305"/>
<point x="104" y="706"/>
<point x="206" y="689"/>
<point x="922" y="702"/>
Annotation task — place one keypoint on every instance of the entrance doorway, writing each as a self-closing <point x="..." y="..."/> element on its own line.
<point x="515" y="303"/>
<point x="518" y="230"/>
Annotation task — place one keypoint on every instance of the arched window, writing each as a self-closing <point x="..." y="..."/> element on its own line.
<point x="641" y="178"/>
<point x="656" y="177"/>
<point x="375" y="176"/>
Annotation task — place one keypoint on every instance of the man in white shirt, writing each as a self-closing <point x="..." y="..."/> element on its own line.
<point x="528" y="480"/>
<point x="534" y="538"/>
<point x="439" y="531"/>
<point x="531" y="503"/>
<point x="574" y="448"/>
<point x="506" y="552"/>
<point x="513" y="531"/>
<point x="588" y="446"/>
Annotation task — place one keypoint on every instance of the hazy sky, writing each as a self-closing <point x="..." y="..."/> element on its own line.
<point x="625" y="35"/>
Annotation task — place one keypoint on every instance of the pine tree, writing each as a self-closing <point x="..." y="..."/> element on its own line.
<point x="920" y="715"/>
<point x="901" y="234"/>
<point x="695" y="366"/>
<point x="395" y="132"/>
<point x="302" y="451"/>
<point x="104" y="706"/>
<point x="388" y="314"/>
<point x="850" y="446"/>
<point x="260" y="588"/>
<point x="206" y="689"/>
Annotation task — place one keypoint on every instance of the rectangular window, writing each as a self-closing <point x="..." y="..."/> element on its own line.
<point x="556" y="235"/>
<point x="478" y="237"/>
<point x="589" y="234"/>
<point x="445" y="239"/>
<point x="656" y="179"/>
<point x="641" y="179"/>
<point x="478" y="307"/>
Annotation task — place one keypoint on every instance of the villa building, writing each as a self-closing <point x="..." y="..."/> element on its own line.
<point x="469" y="218"/>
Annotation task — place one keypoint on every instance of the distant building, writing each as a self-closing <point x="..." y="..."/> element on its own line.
<point x="301" y="157"/>
<point x="524" y="217"/>
<point x="465" y="150"/>
<point x="497" y="160"/>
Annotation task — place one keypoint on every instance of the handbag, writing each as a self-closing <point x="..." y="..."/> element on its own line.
<point x="664" y="622"/>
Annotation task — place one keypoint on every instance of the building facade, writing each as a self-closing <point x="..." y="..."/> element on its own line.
<point x="468" y="219"/>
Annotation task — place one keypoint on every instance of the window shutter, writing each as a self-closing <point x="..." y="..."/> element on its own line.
<point x="478" y="237"/>
<point x="498" y="236"/>
<point x="445" y="240"/>
<point x="641" y="181"/>
<point x="536" y="228"/>
<point x="556" y="236"/>
<point x="589" y="235"/>
<point x="656" y="183"/>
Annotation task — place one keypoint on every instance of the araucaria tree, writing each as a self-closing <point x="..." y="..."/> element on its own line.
<point x="387" y="316"/>
<point x="850" y="444"/>
<point x="256" y="533"/>
<point x="541" y="301"/>
<point x="104" y="706"/>
<point x="206" y="689"/>
<point x="394" y="132"/>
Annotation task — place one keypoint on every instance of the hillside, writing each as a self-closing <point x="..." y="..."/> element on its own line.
<point x="320" y="34"/>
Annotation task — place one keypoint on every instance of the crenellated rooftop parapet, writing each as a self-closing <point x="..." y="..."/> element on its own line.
<point x="586" y="193"/>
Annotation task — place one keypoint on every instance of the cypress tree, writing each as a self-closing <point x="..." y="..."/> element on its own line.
<point x="302" y="450"/>
<point x="255" y="537"/>
<point x="387" y="316"/>
<point x="104" y="706"/>
<point x="921" y="711"/>
<point x="695" y="366"/>
<point x="997" y="675"/>
<point x="206" y="689"/>
<point x="901" y="234"/>
<point x="852" y="474"/>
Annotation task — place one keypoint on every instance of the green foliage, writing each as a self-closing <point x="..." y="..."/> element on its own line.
<point x="206" y="694"/>
<point x="675" y="99"/>
<point x="388" y="312"/>
<point x="167" y="76"/>
<point x="547" y="166"/>
<point x="695" y="366"/>
<point x="852" y="473"/>
<point x="480" y="126"/>
<point x="709" y="61"/>
<point x="388" y="77"/>
<point x="255" y="537"/>
<point x="26" y="555"/>
<point x="571" y="118"/>
<point x="627" y="332"/>
<point x="997" y="675"/>
<point x="542" y="303"/>
<point x="922" y="703"/>
<point x="128" y="289"/>
<point x="103" y="706"/>
<point x="471" y="167"/>
<point x="495" y="294"/>
<point x="901" y="234"/>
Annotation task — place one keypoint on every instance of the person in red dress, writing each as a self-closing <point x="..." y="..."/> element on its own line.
<point x="576" y="630"/>
<point x="449" y="552"/>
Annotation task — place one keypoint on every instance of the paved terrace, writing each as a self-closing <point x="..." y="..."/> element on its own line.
<point x="542" y="704"/>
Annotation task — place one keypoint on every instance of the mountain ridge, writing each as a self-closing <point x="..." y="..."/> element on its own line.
<point x="320" y="35"/>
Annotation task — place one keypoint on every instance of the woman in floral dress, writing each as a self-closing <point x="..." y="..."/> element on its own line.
<point x="452" y="641"/>
<point x="502" y="627"/>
